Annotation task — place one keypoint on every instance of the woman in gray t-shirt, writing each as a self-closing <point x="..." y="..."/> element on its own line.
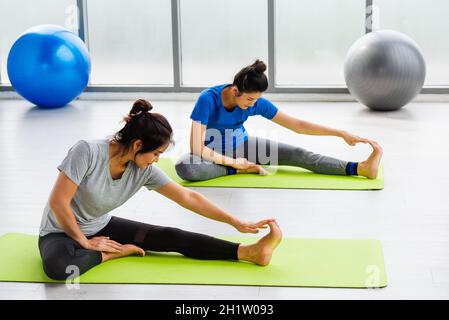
<point x="100" y="175"/>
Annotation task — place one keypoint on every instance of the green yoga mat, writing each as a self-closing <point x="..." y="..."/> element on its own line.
<point x="281" y="177"/>
<point x="295" y="263"/>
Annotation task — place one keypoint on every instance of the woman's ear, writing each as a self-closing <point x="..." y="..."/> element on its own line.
<point x="235" y="91"/>
<point x="137" y="145"/>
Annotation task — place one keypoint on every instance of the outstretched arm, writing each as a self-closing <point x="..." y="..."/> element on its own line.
<point x="196" y="202"/>
<point x="304" y="127"/>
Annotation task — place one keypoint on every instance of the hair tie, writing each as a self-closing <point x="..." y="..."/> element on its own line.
<point x="133" y="115"/>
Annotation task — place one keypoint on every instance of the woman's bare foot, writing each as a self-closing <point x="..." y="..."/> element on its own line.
<point x="370" y="166"/>
<point x="126" y="250"/>
<point x="260" y="253"/>
<point x="255" y="169"/>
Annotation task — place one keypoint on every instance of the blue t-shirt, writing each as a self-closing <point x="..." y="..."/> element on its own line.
<point x="225" y="130"/>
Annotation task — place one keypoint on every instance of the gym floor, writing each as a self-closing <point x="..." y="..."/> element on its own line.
<point x="410" y="216"/>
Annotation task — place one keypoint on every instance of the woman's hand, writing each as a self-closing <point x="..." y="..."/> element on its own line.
<point x="242" y="164"/>
<point x="103" y="244"/>
<point x="250" y="227"/>
<point x="353" y="139"/>
<point x="245" y="166"/>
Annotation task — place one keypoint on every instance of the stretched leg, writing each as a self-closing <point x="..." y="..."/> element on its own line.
<point x="194" y="245"/>
<point x="166" y="239"/>
<point x="265" y="151"/>
<point x="58" y="251"/>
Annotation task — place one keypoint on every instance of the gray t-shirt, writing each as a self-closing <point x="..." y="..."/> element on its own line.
<point x="87" y="165"/>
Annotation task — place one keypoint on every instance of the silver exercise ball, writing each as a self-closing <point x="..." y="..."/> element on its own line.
<point x="384" y="70"/>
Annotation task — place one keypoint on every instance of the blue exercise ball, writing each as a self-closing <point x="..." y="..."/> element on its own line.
<point x="49" y="66"/>
<point x="384" y="70"/>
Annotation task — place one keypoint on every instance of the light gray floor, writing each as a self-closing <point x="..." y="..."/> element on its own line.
<point x="410" y="216"/>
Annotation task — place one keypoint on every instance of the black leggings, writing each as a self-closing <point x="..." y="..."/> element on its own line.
<point x="58" y="250"/>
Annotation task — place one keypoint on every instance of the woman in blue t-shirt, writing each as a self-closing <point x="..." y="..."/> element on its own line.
<point x="220" y="145"/>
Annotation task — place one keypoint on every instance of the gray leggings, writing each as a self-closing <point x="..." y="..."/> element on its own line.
<point x="261" y="151"/>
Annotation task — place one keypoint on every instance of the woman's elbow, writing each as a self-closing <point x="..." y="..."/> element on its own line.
<point x="188" y="199"/>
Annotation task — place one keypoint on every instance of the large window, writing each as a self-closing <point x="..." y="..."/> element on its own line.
<point x="181" y="45"/>
<point x="130" y="42"/>
<point x="16" y="16"/>
<point x="312" y="38"/>
<point x="427" y="23"/>
<point x="220" y="37"/>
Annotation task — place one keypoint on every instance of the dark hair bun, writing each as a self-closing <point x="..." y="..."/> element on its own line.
<point x="259" y="66"/>
<point x="141" y="105"/>
<point x="152" y="129"/>
<point x="140" y="108"/>
<point x="252" y="78"/>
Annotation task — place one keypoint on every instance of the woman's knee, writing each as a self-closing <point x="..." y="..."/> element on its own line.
<point x="187" y="169"/>
<point x="57" y="268"/>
